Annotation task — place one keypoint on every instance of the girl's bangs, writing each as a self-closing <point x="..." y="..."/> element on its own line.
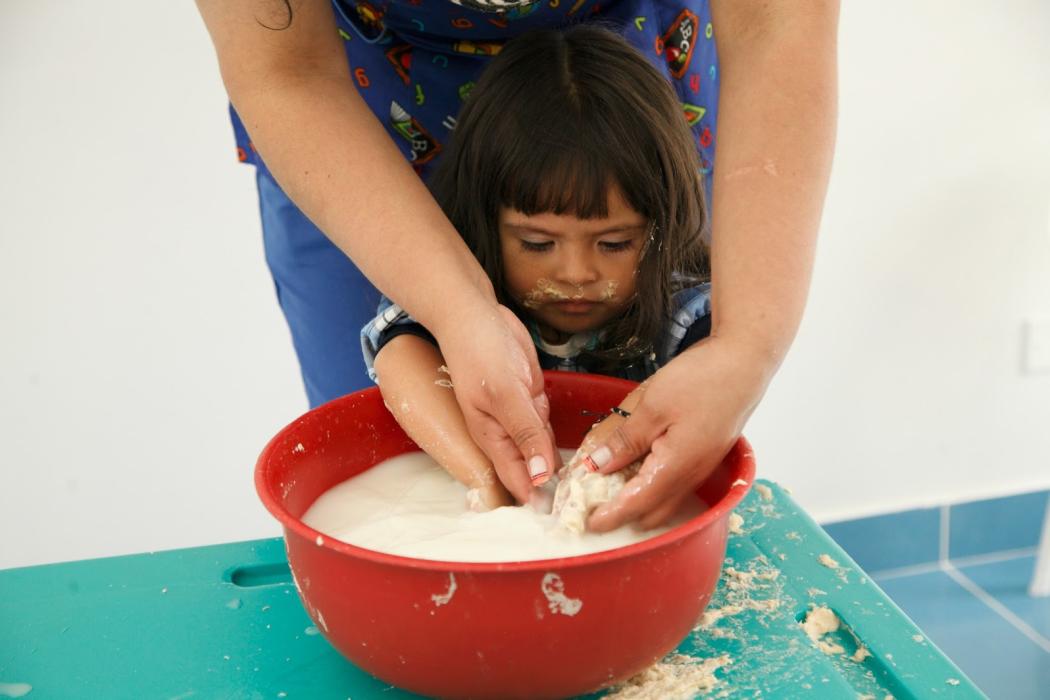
<point x="557" y="177"/>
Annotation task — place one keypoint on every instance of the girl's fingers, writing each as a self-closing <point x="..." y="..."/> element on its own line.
<point x="503" y="452"/>
<point x="495" y="496"/>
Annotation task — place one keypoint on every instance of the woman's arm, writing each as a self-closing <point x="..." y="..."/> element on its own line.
<point x="777" y="111"/>
<point x="420" y="396"/>
<point x="293" y="89"/>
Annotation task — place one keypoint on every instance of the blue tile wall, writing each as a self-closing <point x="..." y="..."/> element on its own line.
<point x="890" y="541"/>
<point x="912" y="537"/>
<point x="997" y="524"/>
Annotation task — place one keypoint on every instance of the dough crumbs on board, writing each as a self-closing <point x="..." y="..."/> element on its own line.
<point x="861" y="654"/>
<point x="736" y="521"/>
<point x="677" y="677"/>
<point x="819" y="621"/>
<point x="827" y="561"/>
<point x="764" y="491"/>
<point x="740" y="585"/>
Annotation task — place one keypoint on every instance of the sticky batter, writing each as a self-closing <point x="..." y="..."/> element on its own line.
<point x="409" y="506"/>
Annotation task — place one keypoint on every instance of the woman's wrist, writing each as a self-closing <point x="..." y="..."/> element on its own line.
<point x="473" y="299"/>
<point x="753" y="358"/>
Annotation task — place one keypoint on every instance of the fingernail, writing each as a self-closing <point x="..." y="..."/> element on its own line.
<point x="537" y="469"/>
<point x="600" y="457"/>
<point x="589" y="464"/>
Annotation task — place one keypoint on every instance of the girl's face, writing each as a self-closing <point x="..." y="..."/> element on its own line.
<point x="572" y="275"/>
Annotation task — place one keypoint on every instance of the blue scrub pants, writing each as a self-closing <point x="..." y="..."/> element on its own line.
<point x="325" y="298"/>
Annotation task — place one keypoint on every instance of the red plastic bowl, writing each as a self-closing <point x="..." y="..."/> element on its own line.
<point x="491" y="630"/>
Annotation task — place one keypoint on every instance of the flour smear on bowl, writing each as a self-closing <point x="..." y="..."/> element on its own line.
<point x="411" y="507"/>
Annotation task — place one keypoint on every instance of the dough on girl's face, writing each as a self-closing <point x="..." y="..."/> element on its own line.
<point x="573" y="275"/>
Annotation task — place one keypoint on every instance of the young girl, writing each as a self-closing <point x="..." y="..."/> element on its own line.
<point x="574" y="179"/>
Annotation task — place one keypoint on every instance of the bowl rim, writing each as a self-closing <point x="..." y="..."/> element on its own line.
<point x="742" y="483"/>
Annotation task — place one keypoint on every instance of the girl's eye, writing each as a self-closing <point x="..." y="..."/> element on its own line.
<point x="616" y="247"/>
<point x="534" y="247"/>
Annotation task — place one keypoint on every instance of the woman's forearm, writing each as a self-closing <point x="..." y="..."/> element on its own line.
<point x="777" y="114"/>
<point x="293" y="89"/>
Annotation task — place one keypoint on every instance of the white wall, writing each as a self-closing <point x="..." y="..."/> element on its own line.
<point x="904" y="387"/>
<point x="144" y="362"/>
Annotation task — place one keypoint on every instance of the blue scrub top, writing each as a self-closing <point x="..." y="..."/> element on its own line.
<point x="415" y="62"/>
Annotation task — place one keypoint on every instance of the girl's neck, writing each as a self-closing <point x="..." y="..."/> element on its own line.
<point x="562" y="344"/>
<point x="552" y="335"/>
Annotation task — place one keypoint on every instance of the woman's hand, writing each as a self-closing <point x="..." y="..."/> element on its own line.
<point x="687" y="417"/>
<point x="499" y="387"/>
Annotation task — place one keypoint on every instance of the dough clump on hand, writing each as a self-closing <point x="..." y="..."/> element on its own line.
<point x="580" y="491"/>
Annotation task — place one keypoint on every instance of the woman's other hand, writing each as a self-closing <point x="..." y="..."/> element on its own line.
<point x="687" y="417"/>
<point x="776" y="135"/>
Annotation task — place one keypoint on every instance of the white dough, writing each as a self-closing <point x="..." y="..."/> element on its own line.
<point x="580" y="491"/>
<point x="409" y="506"/>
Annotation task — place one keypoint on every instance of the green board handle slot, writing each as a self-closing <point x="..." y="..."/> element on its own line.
<point x="255" y="575"/>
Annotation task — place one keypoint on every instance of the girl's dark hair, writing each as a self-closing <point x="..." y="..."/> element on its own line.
<point x="556" y="118"/>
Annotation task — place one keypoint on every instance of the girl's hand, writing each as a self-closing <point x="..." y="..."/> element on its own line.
<point x="499" y="387"/>
<point x="417" y="393"/>
<point x="688" y="415"/>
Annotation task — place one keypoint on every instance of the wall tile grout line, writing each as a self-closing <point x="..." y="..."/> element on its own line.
<point x="992" y="557"/>
<point x="905" y="571"/>
<point x="944" y="540"/>
<point x="997" y="607"/>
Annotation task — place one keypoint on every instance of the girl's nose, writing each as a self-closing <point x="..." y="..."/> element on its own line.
<point x="578" y="267"/>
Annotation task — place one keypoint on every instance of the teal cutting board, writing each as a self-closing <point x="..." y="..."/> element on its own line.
<point x="224" y="621"/>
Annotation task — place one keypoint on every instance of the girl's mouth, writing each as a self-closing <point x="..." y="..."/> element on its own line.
<point x="575" y="307"/>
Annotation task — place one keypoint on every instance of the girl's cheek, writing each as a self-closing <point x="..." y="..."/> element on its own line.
<point x="520" y="286"/>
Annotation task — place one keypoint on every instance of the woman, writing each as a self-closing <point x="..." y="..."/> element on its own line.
<point x="314" y="124"/>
